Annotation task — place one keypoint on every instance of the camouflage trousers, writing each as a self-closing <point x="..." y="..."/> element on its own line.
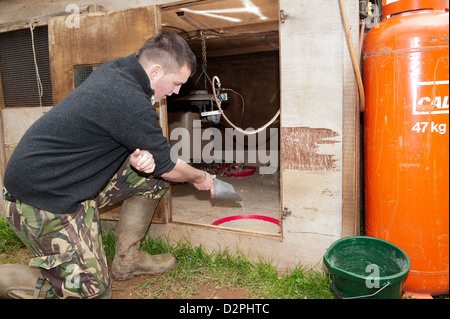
<point x="68" y="248"/>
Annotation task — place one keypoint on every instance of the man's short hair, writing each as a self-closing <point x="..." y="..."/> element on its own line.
<point x="169" y="50"/>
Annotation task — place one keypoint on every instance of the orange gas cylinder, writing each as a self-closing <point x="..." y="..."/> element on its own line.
<point x="406" y="124"/>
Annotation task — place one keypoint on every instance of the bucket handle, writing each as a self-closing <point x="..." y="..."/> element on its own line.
<point x="339" y="295"/>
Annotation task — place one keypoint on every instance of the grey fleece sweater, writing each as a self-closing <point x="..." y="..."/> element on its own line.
<point x="71" y="152"/>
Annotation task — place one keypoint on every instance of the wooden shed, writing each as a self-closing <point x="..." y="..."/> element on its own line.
<point x="271" y="55"/>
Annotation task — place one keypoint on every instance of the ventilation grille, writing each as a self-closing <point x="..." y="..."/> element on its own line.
<point x="17" y="68"/>
<point x="82" y="72"/>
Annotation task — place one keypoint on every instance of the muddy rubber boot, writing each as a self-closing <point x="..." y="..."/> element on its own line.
<point x="134" y="222"/>
<point x="22" y="282"/>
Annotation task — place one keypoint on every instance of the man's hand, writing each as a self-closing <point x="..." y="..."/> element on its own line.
<point x="183" y="172"/>
<point x="206" y="184"/>
<point x="142" y="161"/>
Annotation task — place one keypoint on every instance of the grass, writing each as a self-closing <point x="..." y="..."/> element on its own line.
<point x="197" y="268"/>
<point x="233" y="271"/>
<point x="10" y="246"/>
<point x="9" y="242"/>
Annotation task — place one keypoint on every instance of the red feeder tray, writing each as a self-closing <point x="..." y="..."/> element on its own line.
<point x="248" y="170"/>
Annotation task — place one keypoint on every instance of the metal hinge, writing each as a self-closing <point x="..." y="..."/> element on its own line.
<point x="283" y="16"/>
<point x="286" y="212"/>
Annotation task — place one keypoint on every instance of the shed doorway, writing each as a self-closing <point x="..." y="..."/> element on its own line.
<point x="237" y="41"/>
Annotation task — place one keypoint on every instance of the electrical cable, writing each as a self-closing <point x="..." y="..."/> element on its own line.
<point x="243" y="102"/>
<point x="216" y="79"/>
<point x="38" y="77"/>
<point x="247" y="37"/>
<point x="264" y="37"/>
<point x="205" y="75"/>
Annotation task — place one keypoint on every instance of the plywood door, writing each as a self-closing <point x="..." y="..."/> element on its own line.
<point x="92" y="39"/>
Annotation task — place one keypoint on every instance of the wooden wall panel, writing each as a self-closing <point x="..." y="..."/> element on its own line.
<point x="99" y="37"/>
<point x="318" y="124"/>
<point x="301" y="149"/>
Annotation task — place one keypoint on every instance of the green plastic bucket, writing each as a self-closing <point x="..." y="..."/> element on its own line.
<point x="366" y="267"/>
